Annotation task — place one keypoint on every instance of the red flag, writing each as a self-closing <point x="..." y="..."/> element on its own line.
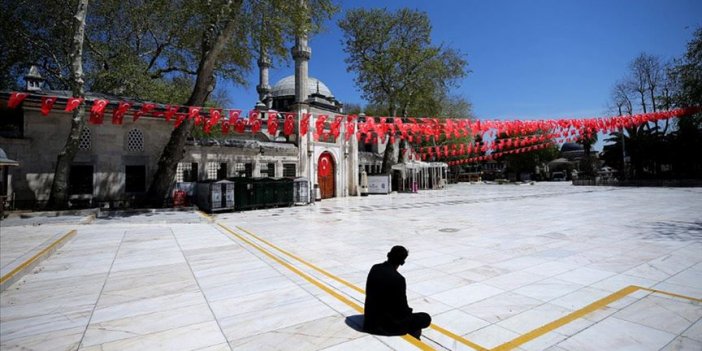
<point x="253" y="115"/>
<point x="319" y="124"/>
<point x="305" y="123"/>
<point x="234" y="115"/>
<point x="239" y="125"/>
<point x="97" y="111"/>
<point x="272" y="123"/>
<point x="180" y="117"/>
<point x="215" y="115"/>
<point x="99" y="106"/>
<point x="225" y="127"/>
<point x="350" y="128"/>
<point x="193" y="112"/>
<point x="289" y="124"/>
<point x="16" y="99"/>
<point x="47" y="103"/>
<point x="171" y="110"/>
<point x="255" y="126"/>
<point x="72" y="103"/>
<point x="120" y="111"/>
<point x="145" y="109"/>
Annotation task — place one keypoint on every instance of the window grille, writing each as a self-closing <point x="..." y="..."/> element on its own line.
<point x="135" y="140"/>
<point x="289" y="170"/>
<point x="84" y="143"/>
<point x="212" y="169"/>
<point x="186" y="172"/>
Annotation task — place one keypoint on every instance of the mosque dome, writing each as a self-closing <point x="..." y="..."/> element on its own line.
<point x="286" y="87"/>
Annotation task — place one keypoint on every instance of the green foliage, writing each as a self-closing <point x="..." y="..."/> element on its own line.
<point x="656" y="153"/>
<point x="148" y="50"/>
<point x="687" y="74"/>
<point x="395" y="63"/>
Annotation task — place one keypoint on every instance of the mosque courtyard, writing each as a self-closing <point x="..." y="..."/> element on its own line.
<point x="548" y="266"/>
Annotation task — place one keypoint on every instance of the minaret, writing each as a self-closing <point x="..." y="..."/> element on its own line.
<point x="301" y="53"/>
<point x="263" y="88"/>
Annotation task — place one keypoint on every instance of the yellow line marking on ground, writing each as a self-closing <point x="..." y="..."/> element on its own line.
<point x="599" y="304"/>
<point x="28" y="262"/>
<point x="358" y="289"/>
<point x="580" y="313"/>
<point x="205" y="215"/>
<point x="671" y="294"/>
<point x="316" y="283"/>
<point x="340" y="280"/>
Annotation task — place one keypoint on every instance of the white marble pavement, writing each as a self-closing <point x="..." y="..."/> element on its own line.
<point x="490" y="263"/>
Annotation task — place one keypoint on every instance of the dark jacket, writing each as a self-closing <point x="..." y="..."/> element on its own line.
<point x="386" y="310"/>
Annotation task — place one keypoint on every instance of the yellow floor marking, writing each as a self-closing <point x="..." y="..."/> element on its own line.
<point x="566" y="319"/>
<point x="318" y="284"/>
<point x="671" y="294"/>
<point x="342" y="281"/>
<point x="599" y="304"/>
<point x="28" y="262"/>
<point x="358" y="289"/>
<point x="205" y="215"/>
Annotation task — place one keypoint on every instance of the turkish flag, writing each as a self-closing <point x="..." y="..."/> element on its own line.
<point x="193" y="112"/>
<point x="289" y="124"/>
<point x="145" y="109"/>
<point x="253" y="115"/>
<point x="171" y="110"/>
<point x="225" y="127"/>
<point x="72" y="103"/>
<point x="47" y="103"/>
<point x="97" y="111"/>
<point x="16" y="99"/>
<point x="234" y="115"/>
<point x="120" y="111"/>
<point x="215" y="115"/>
<point x="272" y="123"/>
<point x="305" y="123"/>
<point x="240" y="125"/>
<point x="256" y="126"/>
<point x="180" y="117"/>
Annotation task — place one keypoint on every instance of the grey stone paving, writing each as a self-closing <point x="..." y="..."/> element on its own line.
<point x="490" y="263"/>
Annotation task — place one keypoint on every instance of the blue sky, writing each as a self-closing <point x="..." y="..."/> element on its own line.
<point x="528" y="59"/>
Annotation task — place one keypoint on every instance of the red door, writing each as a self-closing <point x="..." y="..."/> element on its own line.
<point x="325" y="175"/>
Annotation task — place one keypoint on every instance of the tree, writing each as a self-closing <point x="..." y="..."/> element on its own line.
<point x="167" y="51"/>
<point x="282" y="17"/>
<point x="396" y="64"/>
<point x="58" y="197"/>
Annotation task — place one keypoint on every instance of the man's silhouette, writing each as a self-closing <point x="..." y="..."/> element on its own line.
<point x="386" y="310"/>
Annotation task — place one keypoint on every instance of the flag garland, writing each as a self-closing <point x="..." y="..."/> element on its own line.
<point x="515" y="135"/>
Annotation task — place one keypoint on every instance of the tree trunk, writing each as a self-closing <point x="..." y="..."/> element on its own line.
<point x="58" y="198"/>
<point x="174" y="151"/>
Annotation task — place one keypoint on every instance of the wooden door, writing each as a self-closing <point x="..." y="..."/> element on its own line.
<point x="325" y="175"/>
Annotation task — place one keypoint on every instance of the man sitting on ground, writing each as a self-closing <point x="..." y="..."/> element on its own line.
<point x="386" y="311"/>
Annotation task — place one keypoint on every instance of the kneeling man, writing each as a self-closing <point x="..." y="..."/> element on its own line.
<point x="386" y="310"/>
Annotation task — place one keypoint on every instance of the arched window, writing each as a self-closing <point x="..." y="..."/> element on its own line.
<point x="84" y="143"/>
<point x="135" y="140"/>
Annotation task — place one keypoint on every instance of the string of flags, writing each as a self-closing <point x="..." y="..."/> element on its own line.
<point x="502" y="137"/>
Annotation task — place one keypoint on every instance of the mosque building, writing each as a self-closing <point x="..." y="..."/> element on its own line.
<point x="116" y="162"/>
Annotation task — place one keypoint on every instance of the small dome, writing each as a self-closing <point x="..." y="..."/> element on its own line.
<point x="286" y="87"/>
<point x="567" y="147"/>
